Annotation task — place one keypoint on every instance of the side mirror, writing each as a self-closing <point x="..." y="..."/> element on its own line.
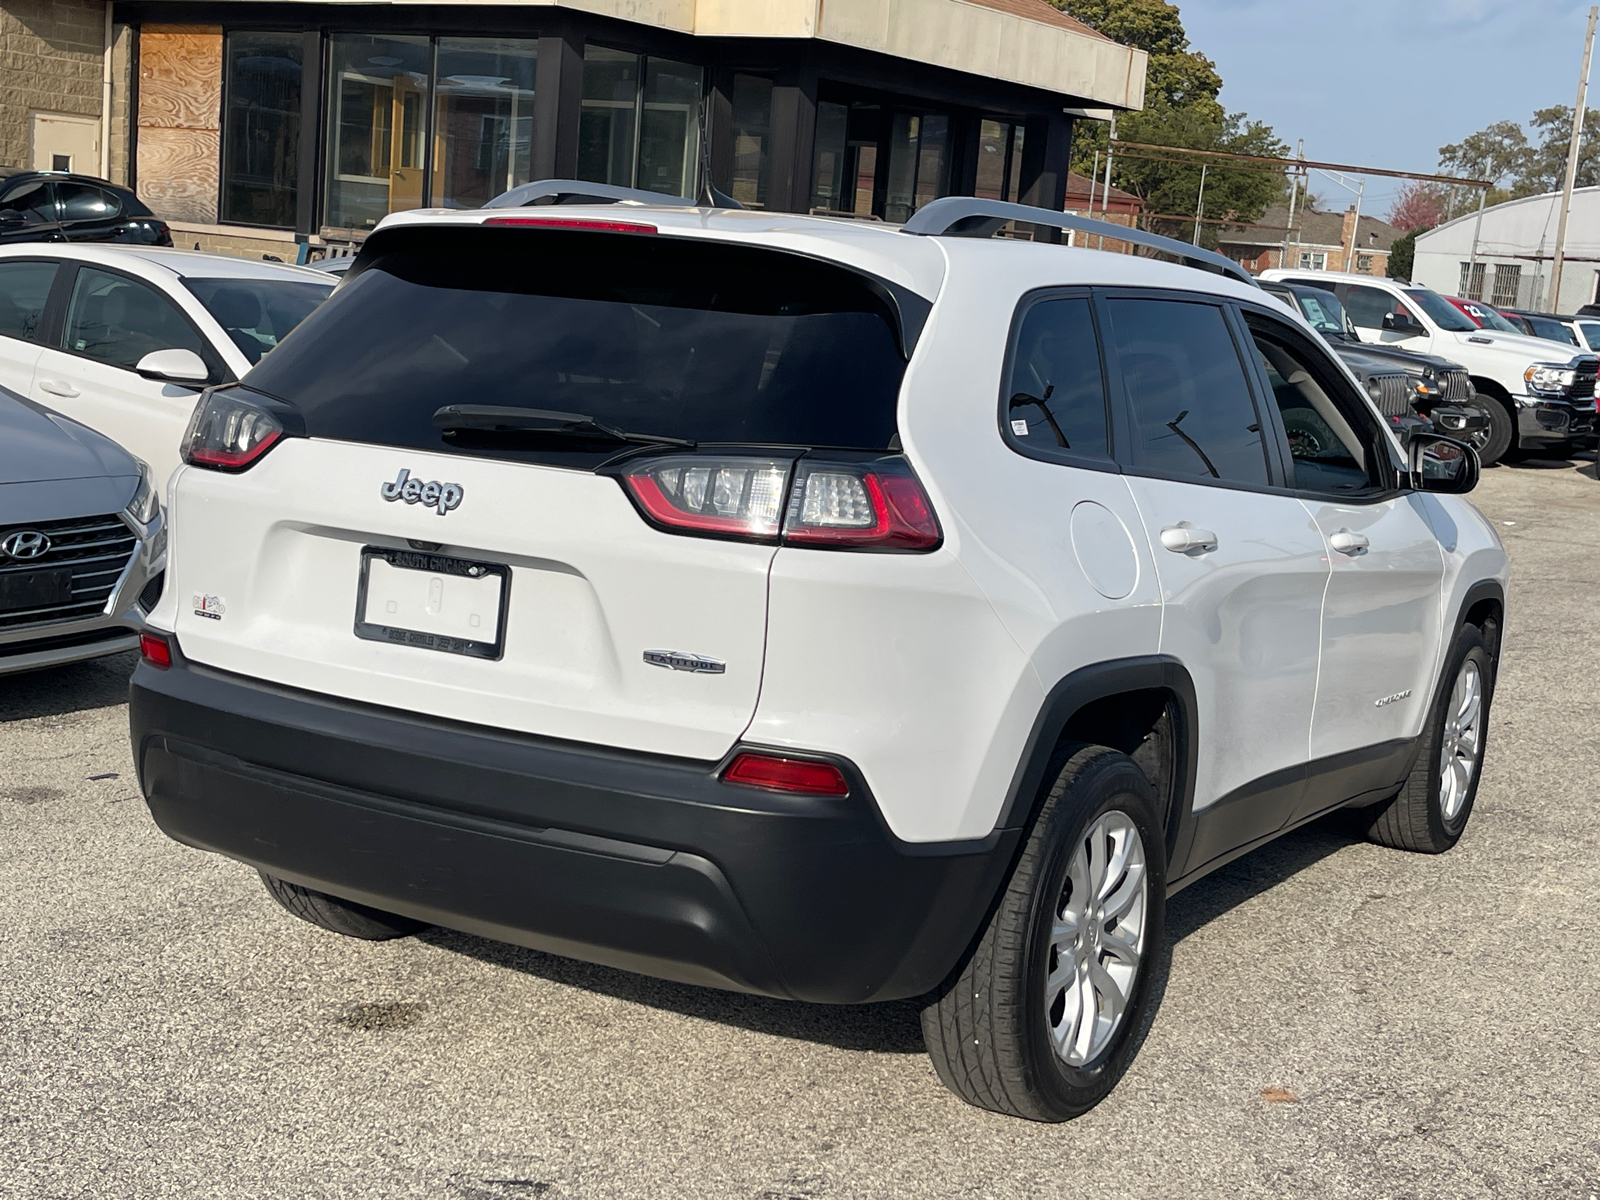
<point x="1395" y="323"/>
<point x="1441" y="464"/>
<point x="10" y="216"/>
<point x="174" y="366"/>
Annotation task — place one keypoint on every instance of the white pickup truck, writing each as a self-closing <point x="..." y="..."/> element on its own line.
<point x="1545" y="391"/>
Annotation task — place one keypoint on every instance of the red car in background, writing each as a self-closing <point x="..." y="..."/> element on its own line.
<point x="1484" y="315"/>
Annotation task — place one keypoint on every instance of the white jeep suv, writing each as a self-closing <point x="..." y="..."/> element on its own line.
<point x="811" y="608"/>
<point x="1543" y="392"/>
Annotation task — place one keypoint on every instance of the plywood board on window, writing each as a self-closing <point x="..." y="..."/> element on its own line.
<point x="180" y="113"/>
<point x="178" y="173"/>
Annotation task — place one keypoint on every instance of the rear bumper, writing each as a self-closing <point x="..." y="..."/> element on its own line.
<point x="645" y="863"/>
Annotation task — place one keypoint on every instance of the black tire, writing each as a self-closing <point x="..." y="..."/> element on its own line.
<point x="988" y="1030"/>
<point x="339" y="916"/>
<point x="1415" y="818"/>
<point x="1502" y="431"/>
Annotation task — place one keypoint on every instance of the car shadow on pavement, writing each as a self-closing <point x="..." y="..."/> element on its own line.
<point x="76" y="687"/>
<point x="894" y="1027"/>
<point x="889" y="1028"/>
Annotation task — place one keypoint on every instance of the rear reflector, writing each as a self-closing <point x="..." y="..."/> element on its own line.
<point x="574" y="223"/>
<point x="155" y="650"/>
<point x="779" y="774"/>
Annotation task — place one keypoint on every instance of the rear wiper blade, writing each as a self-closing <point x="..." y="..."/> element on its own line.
<point x="494" y="418"/>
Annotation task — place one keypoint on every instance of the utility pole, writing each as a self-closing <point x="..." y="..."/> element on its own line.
<point x="1355" y="229"/>
<point x="1105" y="195"/>
<point x="1572" y="163"/>
<point x="1294" y="182"/>
<point x="1200" y="204"/>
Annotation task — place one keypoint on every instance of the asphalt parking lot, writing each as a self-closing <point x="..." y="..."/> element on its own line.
<point x="1419" y="1026"/>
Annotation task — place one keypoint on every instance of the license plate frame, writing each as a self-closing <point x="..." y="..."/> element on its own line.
<point x="433" y="564"/>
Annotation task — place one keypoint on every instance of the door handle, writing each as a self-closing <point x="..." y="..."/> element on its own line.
<point x="1182" y="539"/>
<point x="58" y="389"/>
<point x="1346" y="541"/>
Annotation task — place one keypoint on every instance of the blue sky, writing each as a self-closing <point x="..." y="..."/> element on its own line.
<point x="1385" y="83"/>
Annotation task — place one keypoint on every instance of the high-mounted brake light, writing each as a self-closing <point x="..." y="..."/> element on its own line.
<point x="779" y="774"/>
<point x="574" y="223"/>
<point x="876" y="505"/>
<point x="228" y="433"/>
<point x="155" y="650"/>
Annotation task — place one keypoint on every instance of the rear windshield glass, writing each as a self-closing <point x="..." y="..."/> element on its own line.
<point x="257" y="314"/>
<point x="671" y="337"/>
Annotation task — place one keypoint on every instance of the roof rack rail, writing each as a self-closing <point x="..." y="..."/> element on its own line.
<point x="574" y="191"/>
<point x="970" y="216"/>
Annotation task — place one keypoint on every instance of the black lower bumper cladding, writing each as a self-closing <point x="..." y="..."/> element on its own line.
<point x="642" y="862"/>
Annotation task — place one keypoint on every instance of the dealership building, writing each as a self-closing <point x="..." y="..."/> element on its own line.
<point x="1506" y="255"/>
<point x="283" y="128"/>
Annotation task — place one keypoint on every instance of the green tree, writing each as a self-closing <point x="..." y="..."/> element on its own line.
<point x="1181" y="110"/>
<point x="1504" y="153"/>
<point x="1402" y="256"/>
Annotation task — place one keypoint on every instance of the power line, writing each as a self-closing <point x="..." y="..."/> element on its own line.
<point x="1297" y="163"/>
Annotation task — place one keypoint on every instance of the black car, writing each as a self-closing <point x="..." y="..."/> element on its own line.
<point x="1539" y="325"/>
<point x="1431" y="387"/>
<point x="54" y="206"/>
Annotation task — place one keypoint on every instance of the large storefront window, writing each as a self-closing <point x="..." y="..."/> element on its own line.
<point x="483" y="119"/>
<point x="999" y="160"/>
<point x="261" y="129"/>
<point x="752" y="139"/>
<point x="639" y="136"/>
<point x="377" y="127"/>
<point x="877" y="161"/>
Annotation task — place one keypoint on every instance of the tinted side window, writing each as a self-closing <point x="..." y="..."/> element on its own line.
<point x="1188" y="399"/>
<point x="1330" y="454"/>
<point x="33" y="200"/>
<point x="24" y="287"/>
<point x="118" y="320"/>
<point x="1368" y="306"/>
<point x="80" y="202"/>
<point x="1056" y="394"/>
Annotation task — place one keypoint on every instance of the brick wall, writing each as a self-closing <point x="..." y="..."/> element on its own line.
<point x="50" y="61"/>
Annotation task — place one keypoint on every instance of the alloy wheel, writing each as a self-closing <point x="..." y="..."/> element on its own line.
<point x="1460" y="742"/>
<point x="1097" y="938"/>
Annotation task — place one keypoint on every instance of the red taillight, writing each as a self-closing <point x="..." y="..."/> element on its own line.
<point x="779" y="774"/>
<point x="574" y="223"/>
<point x="876" y="505"/>
<point x="155" y="650"/>
<point x="719" y="497"/>
<point x="229" y="433"/>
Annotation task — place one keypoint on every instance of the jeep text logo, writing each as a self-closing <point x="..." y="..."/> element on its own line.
<point x="439" y="496"/>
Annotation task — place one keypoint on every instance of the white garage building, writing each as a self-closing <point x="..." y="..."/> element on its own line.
<point x="1515" y="250"/>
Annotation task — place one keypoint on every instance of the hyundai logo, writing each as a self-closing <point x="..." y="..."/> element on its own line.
<point x="24" y="544"/>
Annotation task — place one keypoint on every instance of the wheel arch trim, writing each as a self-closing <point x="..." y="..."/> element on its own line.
<point x="1084" y="687"/>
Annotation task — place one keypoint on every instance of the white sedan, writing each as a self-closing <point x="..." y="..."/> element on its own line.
<point x="123" y="338"/>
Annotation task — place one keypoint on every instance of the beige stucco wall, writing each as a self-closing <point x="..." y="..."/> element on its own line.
<point x="956" y="34"/>
<point x="50" y="61"/>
